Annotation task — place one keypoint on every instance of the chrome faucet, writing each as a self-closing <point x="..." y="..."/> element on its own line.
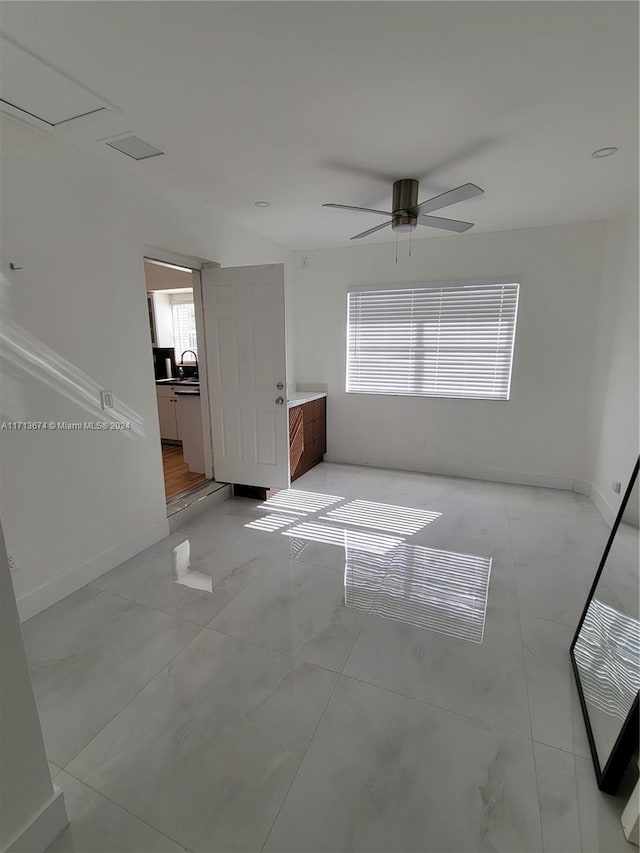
<point x="197" y="373"/>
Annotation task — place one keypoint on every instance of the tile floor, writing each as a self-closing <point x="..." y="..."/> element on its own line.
<point x="372" y="661"/>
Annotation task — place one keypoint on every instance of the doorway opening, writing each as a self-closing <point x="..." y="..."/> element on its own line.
<point x="174" y="301"/>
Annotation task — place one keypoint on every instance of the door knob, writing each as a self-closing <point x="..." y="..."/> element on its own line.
<point x="279" y="385"/>
<point x="279" y="401"/>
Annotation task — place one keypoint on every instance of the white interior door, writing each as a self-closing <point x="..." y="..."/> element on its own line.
<point x="244" y="328"/>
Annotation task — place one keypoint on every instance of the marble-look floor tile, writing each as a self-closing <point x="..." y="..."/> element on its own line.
<point x="502" y="586"/>
<point x="227" y="541"/>
<point x="338" y="479"/>
<point x="552" y="587"/>
<point x="222" y="547"/>
<point x="429" y="588"/>
<point x="481" y="680"/>
<point x="127" y="568"/>
<point x="533" y="499"/>
<point x="314" y="553"/>
<point x="556" y="716"/>
<point x="97" y="825"/>
<point x="469" y="529"/>
<point x="600" y="813"/>
<point x="387" y="773"/>
<point x="206" y="752"/>
<point x="562" y="535"/>
<point x="297" y="609"/>
<point x="442" y="493"/>
<point x="193" y="588"/>
<point x="89" y="655"/>
<point x="558" y="797"/>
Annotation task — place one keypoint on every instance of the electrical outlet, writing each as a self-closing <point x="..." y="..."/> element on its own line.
<point x="106" y="399"/>
<point x="13" y="563"/>
<point x="616" y="486"/>
<point x="304" y="262"/>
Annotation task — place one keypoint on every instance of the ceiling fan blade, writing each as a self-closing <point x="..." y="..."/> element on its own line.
<point x="371" y="230"/>
<point x="365" y="209"/>
<point x="451" y="197"/>
<point x="445" y="224"/>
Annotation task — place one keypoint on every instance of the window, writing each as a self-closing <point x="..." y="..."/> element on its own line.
<point x="432" y="341"/>
<point x="184" y="323"/>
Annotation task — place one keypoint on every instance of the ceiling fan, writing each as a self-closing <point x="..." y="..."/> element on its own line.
<point x="407" y="214"/>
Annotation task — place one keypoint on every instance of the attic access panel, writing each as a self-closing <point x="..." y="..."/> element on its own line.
<point x="30" y="87"/>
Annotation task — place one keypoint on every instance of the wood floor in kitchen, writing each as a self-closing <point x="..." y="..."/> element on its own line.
<point x="177" y="477"/>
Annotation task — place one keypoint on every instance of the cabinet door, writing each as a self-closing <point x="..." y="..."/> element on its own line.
<point x="296" y="440"/>
<point x="167" y="416"/>
<point x="189" y="422"/>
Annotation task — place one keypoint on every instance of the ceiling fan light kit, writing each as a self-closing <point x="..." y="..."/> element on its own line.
<point x="407" y="213"/>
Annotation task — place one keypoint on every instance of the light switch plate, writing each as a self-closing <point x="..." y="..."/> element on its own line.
<point x="106" y="399"/>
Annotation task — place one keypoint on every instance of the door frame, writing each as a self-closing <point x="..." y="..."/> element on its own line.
<point x="195" y="264"/>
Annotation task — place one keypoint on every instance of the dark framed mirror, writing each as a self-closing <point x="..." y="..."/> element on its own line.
<point x="605" y="652"/>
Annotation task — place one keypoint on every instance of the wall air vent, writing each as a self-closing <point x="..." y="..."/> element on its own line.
<point x="133" y="147"/>
<point x="37" y="93"/>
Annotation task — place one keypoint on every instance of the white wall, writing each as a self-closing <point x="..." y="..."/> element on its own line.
<point x="27" y="797"/>
<point x="613" y="439"/>
<point x="163" y="318"/>
<point x="74" y="504"/>
<point x="539" y="435"/>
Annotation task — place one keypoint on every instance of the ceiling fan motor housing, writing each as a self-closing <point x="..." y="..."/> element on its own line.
<point x="405" y="199"/>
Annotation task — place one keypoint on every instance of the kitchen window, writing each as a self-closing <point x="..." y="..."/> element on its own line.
<point x="452" y="340"/>
<point x="184" y="323"/>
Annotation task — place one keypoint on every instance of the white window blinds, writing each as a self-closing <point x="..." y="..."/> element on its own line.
<point x="445" y="341"/>
<point x="184" y="325"/>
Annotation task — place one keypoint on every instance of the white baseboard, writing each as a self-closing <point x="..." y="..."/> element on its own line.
<point x="516" y="478"/>
<point x="630" y="817"/>
<point x="44" y="828"/>
<point x="582" y="487"/>
<point x="496" y="475"/>
<point x="603" y="506"/>
<point x="38" y="599"/>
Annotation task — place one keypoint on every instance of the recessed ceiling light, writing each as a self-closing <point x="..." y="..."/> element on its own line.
<point x="604" y="152"/>
<point x="262" y="204"/>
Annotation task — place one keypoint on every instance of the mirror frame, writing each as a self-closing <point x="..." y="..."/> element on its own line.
<point x="626" y="743"/>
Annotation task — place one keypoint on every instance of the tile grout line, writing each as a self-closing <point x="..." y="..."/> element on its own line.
<point x="135" y="695"/>
<point x="295" y="775"/>
<point x="124" y="809"/>
<point x="524" y="667"/>
<point x="579" y="810"/>
<point x="119" y="805"/>
<point x="377" y="686"/>
<point x="269" y="649"/>
<point x="560" y="749"/>
<point x="155" y="609"/>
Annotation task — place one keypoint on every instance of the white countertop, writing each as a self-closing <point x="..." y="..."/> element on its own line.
<point x="301" y="397"/>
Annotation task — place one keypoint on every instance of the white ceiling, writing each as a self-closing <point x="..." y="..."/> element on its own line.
<point x="301" y="103"/>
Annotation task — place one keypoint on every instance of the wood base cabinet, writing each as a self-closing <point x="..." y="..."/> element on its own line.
<point x="307" y="435"/>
